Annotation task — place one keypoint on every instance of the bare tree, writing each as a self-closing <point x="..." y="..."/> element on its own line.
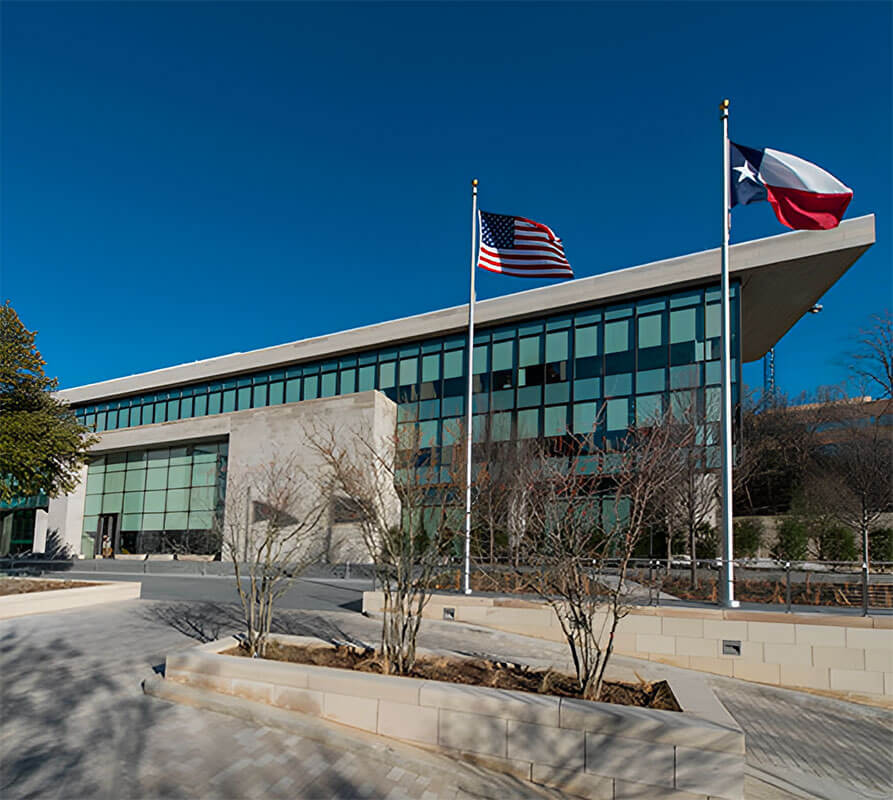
<point x="850" y="481"/>
<point x="271" y="532"/>
<point x="590" y="505"/>
<point x="408" y="511"/>
<point x="871" y="362"/>
<point x="691" y="500"/>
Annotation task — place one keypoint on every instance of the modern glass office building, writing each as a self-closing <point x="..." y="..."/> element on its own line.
<point x="603" y="352"/>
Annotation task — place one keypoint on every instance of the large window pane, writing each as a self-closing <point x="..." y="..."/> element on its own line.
<point x="555" y="421"/>
<point x="453" y="364"/>
<point x="584" y="417"/>
<point x="348" y="381"/>
<point x="177" y="500"/>
<point x="293" y="390"/>
<point x="556" y="346"/>
<point x="154" y="501"/>
<point x="652" y="380"/>
<point x="617" y="414"/>
<point x="259" y="396"/>
<point x="617" y="336"/>
<point x="586" y="342"/>
<point x="682" y="325"/>
<point x="501" y="426"/>
<point x="387" y="375"/>
<point x="528" y="424"/>
<point x="327" y="388"/>
<point x="277" y="393"/>
<point x="529" y="351"/>
<point x="135" y="480"/>
<point x="649" y="408"/>
<point x="503" y="355"/>
<point x="366" y="378"/>
<point x="311" y="387"/>
<point x="650" y="334"/>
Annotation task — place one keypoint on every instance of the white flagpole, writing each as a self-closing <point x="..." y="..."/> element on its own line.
<point x="727" y="592"/>
<point x="468" y="409"/>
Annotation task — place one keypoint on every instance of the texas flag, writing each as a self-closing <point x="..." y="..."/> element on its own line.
<point x="804" y="196"/>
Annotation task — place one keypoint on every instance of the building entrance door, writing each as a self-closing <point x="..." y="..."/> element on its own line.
<point x="107" y="535"/>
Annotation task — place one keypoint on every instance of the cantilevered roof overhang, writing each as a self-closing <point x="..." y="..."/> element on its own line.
<point x="781" y="277"/>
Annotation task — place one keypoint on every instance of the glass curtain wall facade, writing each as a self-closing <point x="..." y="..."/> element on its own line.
<point x="166" y="499"/>
<point x="615" y="364"/>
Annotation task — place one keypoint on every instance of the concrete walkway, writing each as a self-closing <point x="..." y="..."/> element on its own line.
<point x="75" y="723"/>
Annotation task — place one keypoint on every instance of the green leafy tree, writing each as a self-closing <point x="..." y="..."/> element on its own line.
<point x="793" y="540"/>
<point x="42" y="445"/>
<point x="748" y="537"/>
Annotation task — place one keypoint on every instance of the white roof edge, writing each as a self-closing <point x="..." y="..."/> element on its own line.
<point x="604" y="287"/>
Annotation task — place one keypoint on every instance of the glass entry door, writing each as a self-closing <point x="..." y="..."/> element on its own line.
<point x="107" y="535"/>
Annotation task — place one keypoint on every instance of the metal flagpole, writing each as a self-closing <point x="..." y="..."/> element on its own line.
<point x="727" y="592"/>
<point x="468" y="410"/>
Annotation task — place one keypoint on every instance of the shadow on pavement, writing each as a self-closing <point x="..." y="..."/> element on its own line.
<point x="207" y="622"/>
<point x="67" y="731"/>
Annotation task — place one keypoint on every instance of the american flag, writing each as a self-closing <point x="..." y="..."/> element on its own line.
<point x="518" y="246"/>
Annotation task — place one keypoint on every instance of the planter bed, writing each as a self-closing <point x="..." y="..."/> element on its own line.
<point x="59" y="595"/>
<point x="590" y="749"/>
<point x="14" y="586"/>
<point x="473" y="672"/>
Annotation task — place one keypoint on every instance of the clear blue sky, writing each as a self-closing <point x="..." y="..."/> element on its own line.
<point x="186" y="180"/>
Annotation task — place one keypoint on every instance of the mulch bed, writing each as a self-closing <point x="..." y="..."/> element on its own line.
<point x="10" y="586"/>
<point x="475" y="672"/>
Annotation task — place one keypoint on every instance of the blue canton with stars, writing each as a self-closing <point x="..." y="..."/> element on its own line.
<point x="744" y="163"/>
<point x="497" y="230"/>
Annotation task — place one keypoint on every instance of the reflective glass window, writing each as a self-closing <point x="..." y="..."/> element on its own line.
<point x="277" y="393"/>
<point x="585" y="415"/>
<point x="528" y="423"/>
<point x="311" y="387"/>
<point x="327" y="388"/>
<point x="555" y="421"/>
<point x="651" y="380"/>
<point x="293" y="390"/>
<point x="259" y="396"/>
<point x="649" y="408"/>
<point x="244" y="398"/>
<point x="586" y="342"/>
<point x="366" y="378"/>
<point x="348" y="381"/>
<point x="387" y="375"/>
<point x="617" y="414"/>
<point x="229" y="401"/>
<point x="617" y="336"/>
<point x="529" y="351"/>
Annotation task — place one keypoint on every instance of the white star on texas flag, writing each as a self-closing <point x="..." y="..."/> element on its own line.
<point x="745" y="173"/>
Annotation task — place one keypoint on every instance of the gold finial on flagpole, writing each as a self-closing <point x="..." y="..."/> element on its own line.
<point x="474" y="181"/>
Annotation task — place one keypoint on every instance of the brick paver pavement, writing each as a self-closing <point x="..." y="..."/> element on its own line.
<point x="75" y="723"/>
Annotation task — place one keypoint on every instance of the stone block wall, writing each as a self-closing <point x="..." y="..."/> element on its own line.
<point x="845" y="655"/>
<point x="595" y="750"/>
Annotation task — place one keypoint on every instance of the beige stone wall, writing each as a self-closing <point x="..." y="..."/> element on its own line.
<point x="835" y="653"/>
<point x="596" y="750"/>
<point x="18" y="605"/>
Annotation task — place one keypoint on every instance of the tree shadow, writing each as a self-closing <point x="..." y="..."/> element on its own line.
<point x="207" y="622"/>
<point x="68" y="731"/>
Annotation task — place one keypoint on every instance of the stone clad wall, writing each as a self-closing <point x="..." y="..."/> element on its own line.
<point x="835" y="653"/>
<point x="596" y="750"/>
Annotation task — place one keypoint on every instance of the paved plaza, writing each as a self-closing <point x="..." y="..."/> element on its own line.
<point x="76" y="724"/>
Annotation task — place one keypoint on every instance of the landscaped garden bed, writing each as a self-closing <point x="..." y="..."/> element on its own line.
<point x="589" y="749"/>
<point x="472" y="672"/>
<point x="11" y="586"/>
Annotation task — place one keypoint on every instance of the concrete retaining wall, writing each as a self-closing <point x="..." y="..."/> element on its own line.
<point x="18" y="605"/>
<point x="596" y="750"/>
<point x="846" y="655"/>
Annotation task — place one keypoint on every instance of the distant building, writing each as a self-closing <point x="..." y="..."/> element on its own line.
<point x="629" y="343"/>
